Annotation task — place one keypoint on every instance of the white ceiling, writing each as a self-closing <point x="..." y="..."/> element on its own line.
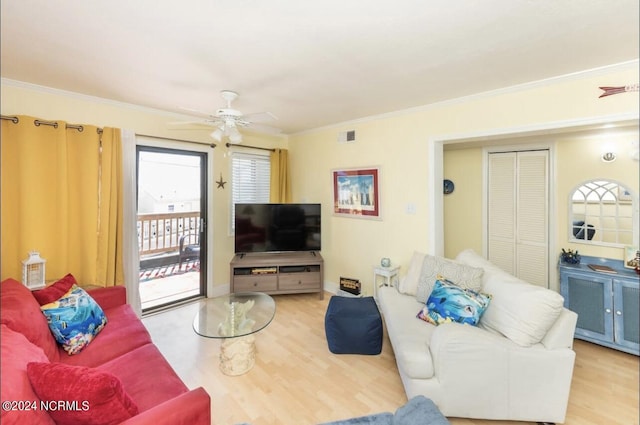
<point x="310" y="63"/>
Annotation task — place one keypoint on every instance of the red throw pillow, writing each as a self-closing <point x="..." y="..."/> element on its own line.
<point x="81" y="395"/>
<point x="53" y="292"/>
<point x="15" y="353"/>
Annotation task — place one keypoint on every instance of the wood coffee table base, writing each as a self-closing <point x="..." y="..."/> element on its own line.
<point x="237" y="355"/>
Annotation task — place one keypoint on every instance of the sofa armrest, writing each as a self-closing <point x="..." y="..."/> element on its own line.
<point x="561" y="333"/>
<point x="528" y="383"/>
<point x="110" y="297"/>
<point x="191" y="408"/>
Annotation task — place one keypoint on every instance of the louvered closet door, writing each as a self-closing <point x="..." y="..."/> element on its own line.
<point x="518" y="208"/>
<point x="502" y="211"/>
<point x="532" y="235"/>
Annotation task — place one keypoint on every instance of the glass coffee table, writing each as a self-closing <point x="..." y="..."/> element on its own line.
<point x="234" y="319"/>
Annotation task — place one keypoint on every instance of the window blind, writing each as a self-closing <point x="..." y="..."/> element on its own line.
<point x="250" y="179"/>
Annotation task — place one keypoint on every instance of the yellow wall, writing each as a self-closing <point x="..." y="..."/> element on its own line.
<point x="399" y="145"/>
<point x="73" y="108"/>
<point x="463" y="207"/>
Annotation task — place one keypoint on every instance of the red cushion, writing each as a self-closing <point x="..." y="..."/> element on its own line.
<point x="134" y="369"/>
<point x="123" y="333"/>
<point x="53" y="292"/>
<point x="15" y="353"/>
<point x="21" y="312"/>
<point x="96" y="397"/>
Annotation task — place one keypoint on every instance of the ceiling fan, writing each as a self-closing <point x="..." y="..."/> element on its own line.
<point x="228" y="121"/>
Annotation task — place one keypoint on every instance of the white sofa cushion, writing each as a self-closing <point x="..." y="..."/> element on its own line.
<point x="522" y="312"/>
<point x="462" y="275"/>
<point x="409" y="285"/>
<point x="409" y="335"/>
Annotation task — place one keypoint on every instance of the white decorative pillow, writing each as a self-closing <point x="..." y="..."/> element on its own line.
<point x="464" y="276"/>
<point x="409" y="285"/>
<point x="473" y="259"/>
<point x="522" y="312"/>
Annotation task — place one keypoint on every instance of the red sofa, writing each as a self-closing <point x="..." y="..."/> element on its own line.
<point x="123" y="348"/>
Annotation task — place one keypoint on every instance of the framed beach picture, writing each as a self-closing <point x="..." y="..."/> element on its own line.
<point x="356" y="193"/>
<point x="631" y="257"/>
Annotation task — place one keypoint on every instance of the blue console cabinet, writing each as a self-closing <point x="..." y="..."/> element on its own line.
<point x="607" y="304"/>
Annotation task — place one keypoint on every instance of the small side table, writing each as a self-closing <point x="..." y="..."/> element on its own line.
<point x="390" y="275"/>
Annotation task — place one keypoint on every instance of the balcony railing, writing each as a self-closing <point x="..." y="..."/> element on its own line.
<point x="158" y="233"/>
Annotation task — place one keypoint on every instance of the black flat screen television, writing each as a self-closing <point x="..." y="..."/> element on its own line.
<point x="263" y="228"/>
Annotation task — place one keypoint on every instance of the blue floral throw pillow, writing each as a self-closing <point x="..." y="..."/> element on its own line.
<point x="74" y="319"/>
<point x="450" y="303"/>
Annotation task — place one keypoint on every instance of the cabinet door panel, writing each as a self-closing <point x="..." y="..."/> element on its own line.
<point x="590" y="297"/>
<point x="626" y="309"/>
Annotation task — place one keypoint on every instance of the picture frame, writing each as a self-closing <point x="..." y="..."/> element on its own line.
<point x="630" y="257"/>
<point x="624" y="194"/>
<point x="356" y="192"/>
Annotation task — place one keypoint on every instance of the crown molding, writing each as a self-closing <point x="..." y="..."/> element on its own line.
<point x="85" y="97"/>
<point x="594" y="72"/>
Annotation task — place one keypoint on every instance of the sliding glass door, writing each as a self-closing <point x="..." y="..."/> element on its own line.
<point x="171" y="197"/>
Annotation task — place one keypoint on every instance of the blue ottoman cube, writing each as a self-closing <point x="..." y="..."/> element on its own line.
<point x="353" y="326"/>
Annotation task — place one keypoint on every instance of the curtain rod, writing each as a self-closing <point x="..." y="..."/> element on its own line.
<point x="53" y="124"/>
<point x="229" y="145"/>
<point x="212" y="145"/>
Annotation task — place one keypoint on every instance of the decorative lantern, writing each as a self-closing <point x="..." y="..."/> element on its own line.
<point x="33" y="271"/>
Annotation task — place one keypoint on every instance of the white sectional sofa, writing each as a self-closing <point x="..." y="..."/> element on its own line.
<point x="516" y="364"/>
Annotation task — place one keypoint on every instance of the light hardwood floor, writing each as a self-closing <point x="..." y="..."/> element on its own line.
<point x="297" y="380"/>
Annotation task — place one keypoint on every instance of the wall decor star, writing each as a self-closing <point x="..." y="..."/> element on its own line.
<point x="221" y="182"/>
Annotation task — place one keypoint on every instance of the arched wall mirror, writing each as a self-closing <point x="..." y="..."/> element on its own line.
<point x="603" y="212"/>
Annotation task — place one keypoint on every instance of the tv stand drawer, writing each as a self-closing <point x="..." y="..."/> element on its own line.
<point x="255" y="283"/>
<point x="293" y="281"/>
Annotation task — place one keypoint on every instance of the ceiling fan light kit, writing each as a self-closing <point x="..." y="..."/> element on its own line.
<point x="217" y="135"/>
<point x="227" y="121"/>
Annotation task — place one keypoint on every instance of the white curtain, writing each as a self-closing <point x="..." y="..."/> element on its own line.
<point x="129" y="231"/>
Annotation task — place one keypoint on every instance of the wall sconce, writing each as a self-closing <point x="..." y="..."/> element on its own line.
<point x="608" y="157"/>
<point x="33" y="271"/>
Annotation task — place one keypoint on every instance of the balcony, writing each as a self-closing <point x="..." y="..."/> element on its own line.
<point x="165" y="277"/>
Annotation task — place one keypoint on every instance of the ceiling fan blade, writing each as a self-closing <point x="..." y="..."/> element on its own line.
<point x="261" y="128"/>
<point x="259" y="117"/>
<point x="192" y="125"/>
<point x="197" y="112"/>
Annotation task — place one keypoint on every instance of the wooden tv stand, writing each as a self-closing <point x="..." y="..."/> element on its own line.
<point x="278" y="273"/>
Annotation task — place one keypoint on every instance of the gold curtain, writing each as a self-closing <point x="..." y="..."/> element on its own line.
<point x="110" y="269"/>
<point x="280" y="186"/>
<point x="51" y="199"/>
